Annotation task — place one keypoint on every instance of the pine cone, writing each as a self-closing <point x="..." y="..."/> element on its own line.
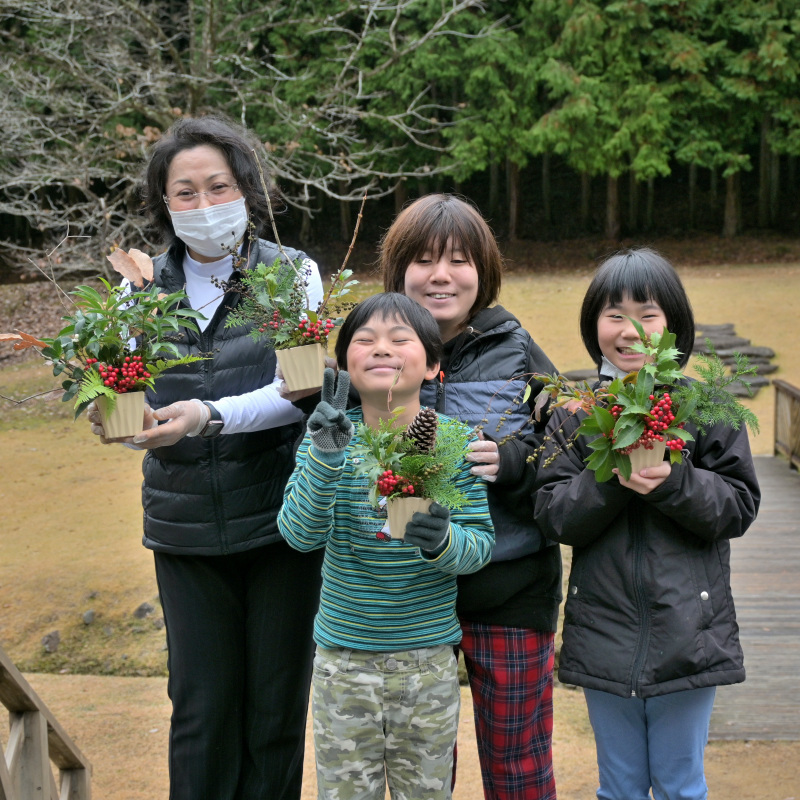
<point x="423" y="430"/>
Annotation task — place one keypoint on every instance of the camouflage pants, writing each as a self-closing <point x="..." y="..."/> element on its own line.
<point x="382" y="717"/>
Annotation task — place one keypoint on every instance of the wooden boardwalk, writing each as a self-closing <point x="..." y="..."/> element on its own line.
<point x="765" y="578"/>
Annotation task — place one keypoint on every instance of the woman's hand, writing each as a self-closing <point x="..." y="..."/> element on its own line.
<point x="484" y="453"/>
<point x="185" y="418"/>
<point x="647" y="479"/>
<point x="96" y="421"/>
<point x="293" y="397"/>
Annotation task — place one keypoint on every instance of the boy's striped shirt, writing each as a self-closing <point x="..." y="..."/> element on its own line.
<point x="377" y="594"/>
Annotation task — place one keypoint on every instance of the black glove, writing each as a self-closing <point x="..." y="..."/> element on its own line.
<point x="329" y="427"/>
<point x="430" y="532"/>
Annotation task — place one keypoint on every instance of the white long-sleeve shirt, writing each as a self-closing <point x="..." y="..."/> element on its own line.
<point x="262" y="408"/>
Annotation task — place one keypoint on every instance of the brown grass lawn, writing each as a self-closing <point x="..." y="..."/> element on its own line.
<point x="70" y="543"/>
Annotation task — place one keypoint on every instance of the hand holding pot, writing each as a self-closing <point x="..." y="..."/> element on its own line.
<point x="293" y="397"/>
<point x="184" y="418"/>
<point x="93" y="415"/>
<point x="430" y="532"/>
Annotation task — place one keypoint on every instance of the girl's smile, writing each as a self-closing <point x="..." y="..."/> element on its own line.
<point x="616" y="334"/>
<point x="447" y="287"/>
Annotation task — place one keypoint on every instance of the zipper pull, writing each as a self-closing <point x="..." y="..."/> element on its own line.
<point x="440" y="387"/>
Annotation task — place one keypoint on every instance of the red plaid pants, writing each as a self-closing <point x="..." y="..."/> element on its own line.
<point x="511" y="676"/>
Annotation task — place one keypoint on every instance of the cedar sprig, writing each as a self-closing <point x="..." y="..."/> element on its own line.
<point x="431" y="473"/>
<point x="649" y="406"/>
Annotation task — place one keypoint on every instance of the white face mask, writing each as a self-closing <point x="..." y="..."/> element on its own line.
<point x="214" y="231"/>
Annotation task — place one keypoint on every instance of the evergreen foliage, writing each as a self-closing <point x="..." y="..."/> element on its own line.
<point x="651" y="405"/>
<point x="393" y="96"/>
<point x="430" y="473"/>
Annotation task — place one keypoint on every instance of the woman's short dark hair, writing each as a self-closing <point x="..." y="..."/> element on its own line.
<point x="642" y="274"/>
<point x="386" y="305"/>
<point x="235" y="143"/>
<point x="432" y="222"/>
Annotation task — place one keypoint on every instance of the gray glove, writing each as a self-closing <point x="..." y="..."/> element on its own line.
<point x="430" y="532"/>
<point x="329" y="428"/>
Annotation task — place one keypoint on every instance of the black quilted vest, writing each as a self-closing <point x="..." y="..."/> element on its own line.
<point x="221" y="495"/>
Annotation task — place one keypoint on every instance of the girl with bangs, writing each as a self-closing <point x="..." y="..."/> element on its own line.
<point x="441" y="252"/>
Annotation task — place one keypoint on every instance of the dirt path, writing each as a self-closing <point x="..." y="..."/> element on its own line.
<point x="70" y="542"/>
<point x="121" y="725"/>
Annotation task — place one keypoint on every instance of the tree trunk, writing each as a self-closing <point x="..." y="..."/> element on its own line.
<point x="586" y="198"/>
<point x="546" y="207"/>
<point x="494" y="189"/>
<point x="633" y="202"/>
<point x="713" y="187"/>
<point x="775" y="189"/>
<point x="400" y="196"/>
<point x="730" y="226"/>
<point x="613" y="226"/>
<point x="692" y="195"/>
<point x="305" y="229"/>
<point x="764" y="174"/>
<point x="345" y="231"/>
<point x="651" y="192"/>
<point x="791" y="175"/>
<point x="512" y="170"/>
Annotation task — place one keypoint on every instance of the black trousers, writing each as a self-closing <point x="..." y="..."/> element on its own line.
<point x="239" y="632"/>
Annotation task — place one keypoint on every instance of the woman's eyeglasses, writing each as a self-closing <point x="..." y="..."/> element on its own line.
<point x="186" y="198"/>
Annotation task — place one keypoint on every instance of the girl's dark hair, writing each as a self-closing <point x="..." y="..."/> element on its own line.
<point x="234" y="142"/>
<point x="642" y="274"/>
<point x="432" y="222"/>
<point x="386" y="305"/>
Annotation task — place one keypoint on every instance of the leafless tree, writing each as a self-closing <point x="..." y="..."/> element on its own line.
<point x="334" y="90"/>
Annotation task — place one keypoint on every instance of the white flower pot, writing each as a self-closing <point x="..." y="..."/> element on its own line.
<point x="400" y="511"/>
<point x="641" y="457"/>
<point x="302" y="367"/>
<point x="127" y="416"/>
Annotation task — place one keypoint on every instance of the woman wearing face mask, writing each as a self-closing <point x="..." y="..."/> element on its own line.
<point x="238" y="602"/>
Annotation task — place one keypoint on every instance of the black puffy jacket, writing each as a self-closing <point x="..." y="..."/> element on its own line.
<point x="649" y="608"/>
<point x="220" y="495"/>
<point x="521" y="586"/>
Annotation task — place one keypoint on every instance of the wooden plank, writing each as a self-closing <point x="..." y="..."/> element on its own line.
<point x="33" y="781"/>
<point x="6" y="788"/>
<point x="17" y="695"/>
<point x="765" y="570"/>
<point x="75" y="785"/>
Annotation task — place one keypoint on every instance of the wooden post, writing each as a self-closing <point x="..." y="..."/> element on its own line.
<point x="35" y="739"/>
<point x="27" y="756"/>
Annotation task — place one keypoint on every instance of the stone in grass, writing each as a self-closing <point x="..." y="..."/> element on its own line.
<point x="763" y="369"/>
<point x="751" y="350"/>
<point x="757" y="381"/>
<point x="738" y="389"/>
<point x="575" y="375"/>
<point x="88" y="617"/>
<point x="51" y="641"/>
<point x="720" y="343"/>
<point x="723" y="327"/>
<point x="144" y="610"/>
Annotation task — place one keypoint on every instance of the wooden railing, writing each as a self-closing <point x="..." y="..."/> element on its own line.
<point x="787" y="421"/>
<point x="35" y="739"/>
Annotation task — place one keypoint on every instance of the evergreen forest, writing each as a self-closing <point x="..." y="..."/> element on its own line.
<point x="558" y="118"/>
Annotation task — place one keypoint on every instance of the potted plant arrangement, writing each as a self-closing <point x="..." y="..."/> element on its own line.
<point x="633" y="421"/>
<point x="115" y="344"/>
<point x="411" y="467"/>
<point x="275" y="303"/>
